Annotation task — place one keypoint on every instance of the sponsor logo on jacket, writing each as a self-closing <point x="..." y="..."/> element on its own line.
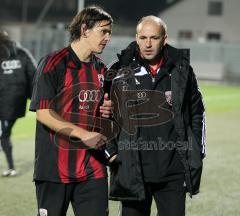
<point x="10" y="65"/>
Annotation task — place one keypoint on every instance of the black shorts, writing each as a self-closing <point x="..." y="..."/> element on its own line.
<point x="88" y="198"/>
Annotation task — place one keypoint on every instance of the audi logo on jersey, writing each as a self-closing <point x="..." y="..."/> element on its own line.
<point x="89" y="96"/>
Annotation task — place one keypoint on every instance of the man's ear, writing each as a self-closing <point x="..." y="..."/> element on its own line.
<point x="136" y="38"/>
<point x="84" y="30"/>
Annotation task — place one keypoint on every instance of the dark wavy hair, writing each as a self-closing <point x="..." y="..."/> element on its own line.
<point x="88" y="16"/>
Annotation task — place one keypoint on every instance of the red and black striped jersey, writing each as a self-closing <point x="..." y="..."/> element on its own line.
<point x="74" y="90"/>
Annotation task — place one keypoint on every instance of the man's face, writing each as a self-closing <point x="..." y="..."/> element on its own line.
<point x="99" y="36"/>
<point x="150" y="39"/>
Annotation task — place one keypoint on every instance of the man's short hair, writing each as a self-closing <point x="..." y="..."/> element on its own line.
<point x="88" y="16"/>
<point x="157" y="19"/>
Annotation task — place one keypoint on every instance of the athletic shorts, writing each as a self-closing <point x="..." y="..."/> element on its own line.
<point x="88" y="198"/>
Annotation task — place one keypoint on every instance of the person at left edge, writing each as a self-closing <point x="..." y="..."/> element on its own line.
<point x="66" y="96"/>
<point x="17" y="68"/>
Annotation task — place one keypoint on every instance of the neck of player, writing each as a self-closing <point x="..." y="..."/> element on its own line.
<point x="81" y="49"/>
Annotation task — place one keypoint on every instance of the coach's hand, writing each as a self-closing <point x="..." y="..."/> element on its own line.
<point x="107" y="107"/>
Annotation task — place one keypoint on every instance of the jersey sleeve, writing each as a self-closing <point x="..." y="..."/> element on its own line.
<point x="44" y="87"/>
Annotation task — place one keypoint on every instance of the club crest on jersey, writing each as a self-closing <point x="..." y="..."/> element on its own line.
<point x="101" y="79"/>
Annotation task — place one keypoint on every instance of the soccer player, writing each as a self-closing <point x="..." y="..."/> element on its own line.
<point x="67" y="91"/>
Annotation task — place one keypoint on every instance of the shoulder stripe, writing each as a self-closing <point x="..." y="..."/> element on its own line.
<point x="54" y="60"/>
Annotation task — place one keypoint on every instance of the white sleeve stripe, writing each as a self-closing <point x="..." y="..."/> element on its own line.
<point x="204" y="134"/>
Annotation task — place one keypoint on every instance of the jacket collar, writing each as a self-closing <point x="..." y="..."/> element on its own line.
<point x="173" y="59"/>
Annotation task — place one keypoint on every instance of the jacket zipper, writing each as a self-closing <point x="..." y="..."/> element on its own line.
<point x="153" y="79"/>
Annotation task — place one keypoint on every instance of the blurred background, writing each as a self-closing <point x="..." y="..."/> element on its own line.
<point x="209" y="28"/>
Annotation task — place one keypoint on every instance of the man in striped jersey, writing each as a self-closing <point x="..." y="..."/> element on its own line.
<point x="68" y="88"/>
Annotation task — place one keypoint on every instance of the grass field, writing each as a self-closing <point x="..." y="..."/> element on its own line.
<point x="220" y="191"/>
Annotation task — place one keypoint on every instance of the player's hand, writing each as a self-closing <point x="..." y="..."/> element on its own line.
<point x="94" y="140"/>
<point x="107" y="107"/>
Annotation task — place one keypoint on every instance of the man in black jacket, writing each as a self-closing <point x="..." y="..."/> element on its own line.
<point x="17" y="68"/>
<point x="158" y="106"/>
